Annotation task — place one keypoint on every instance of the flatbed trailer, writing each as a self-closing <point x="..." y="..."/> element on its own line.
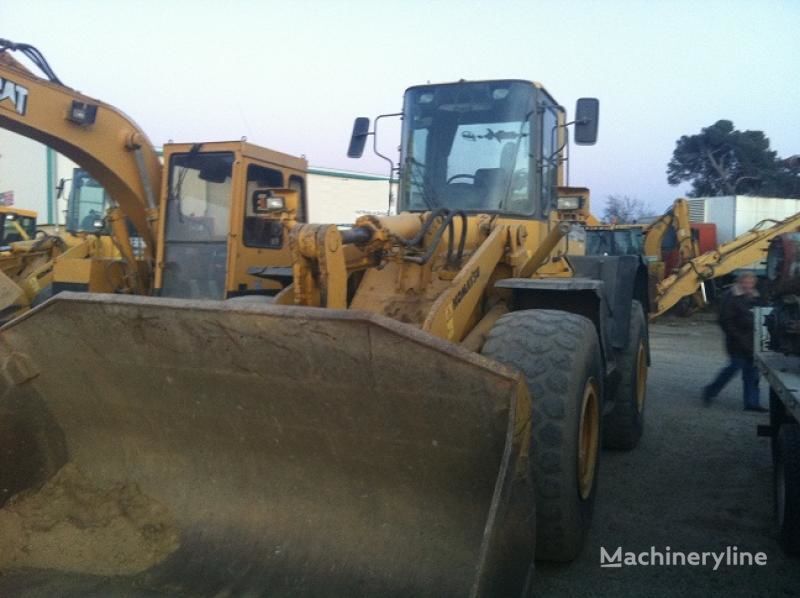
<point x="782" y="372"/>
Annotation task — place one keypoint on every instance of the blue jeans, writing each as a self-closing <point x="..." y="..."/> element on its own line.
<point x="749" y="380"/>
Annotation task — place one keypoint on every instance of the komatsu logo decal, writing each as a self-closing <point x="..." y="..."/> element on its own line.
<point x="462" y="292"/>
<point x="13" y="95"/>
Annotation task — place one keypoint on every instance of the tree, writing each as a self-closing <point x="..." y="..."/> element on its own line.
<point x="785" y="181"/>
<point x="721" y="160"/>
<point x="621" y="209"/>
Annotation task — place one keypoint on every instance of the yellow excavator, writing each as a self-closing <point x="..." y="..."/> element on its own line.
<point x="206" y="238"/>
<point x="419" y="412"/>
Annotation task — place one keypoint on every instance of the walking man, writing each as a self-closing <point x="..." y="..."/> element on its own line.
<point x="736" y="320"/>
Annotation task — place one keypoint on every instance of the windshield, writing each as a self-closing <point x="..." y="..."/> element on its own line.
<point x="467" y="146"/>
<point x="87" y="205"/>
<point x="626" y="241"/>
<point x="197" y="225"/>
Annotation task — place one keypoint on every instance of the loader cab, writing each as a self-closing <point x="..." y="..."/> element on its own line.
<point x="614" y="240"/>
<point x="16" y="225"/>
<point x="212" y="236"/>
<point x="486" y="146"/>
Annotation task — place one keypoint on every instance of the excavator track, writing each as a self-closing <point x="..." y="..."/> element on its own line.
<point x="156" y="447"/>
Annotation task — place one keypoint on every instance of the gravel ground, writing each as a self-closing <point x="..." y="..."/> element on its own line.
<point x="700" y="480"/>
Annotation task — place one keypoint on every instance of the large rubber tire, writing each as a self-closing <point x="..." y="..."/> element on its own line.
<point x="787" y="487"/>
<point x="623" y="427"/>
<point x="559" y="354"/>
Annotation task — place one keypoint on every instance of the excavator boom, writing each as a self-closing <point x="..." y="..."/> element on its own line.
<point x="99" y="137"/>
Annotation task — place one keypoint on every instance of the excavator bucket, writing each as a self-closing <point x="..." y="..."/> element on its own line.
<point x="155" y="447"/>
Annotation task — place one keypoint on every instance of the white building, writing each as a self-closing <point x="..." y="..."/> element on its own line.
<point x="734" y="215"/>
<point x="341" y="196"/>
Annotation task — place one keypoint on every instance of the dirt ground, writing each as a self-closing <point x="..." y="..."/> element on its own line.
<point x="700" y="480"/>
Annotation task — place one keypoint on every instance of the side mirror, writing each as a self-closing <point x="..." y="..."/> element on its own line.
<point x="60" y="188"/>
<point x="587" y="111"/>
<point x="359" y="137"/>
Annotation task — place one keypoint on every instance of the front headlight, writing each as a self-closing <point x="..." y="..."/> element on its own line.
<point x="569" y="203"/>
<point x="276" y="203"/>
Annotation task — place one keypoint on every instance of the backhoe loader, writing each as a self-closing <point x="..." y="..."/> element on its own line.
<point x="741" y="252"/>
<point x="419" y="412"/>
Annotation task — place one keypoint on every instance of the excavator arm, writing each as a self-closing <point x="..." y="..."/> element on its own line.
<point x="741" y="251"/>
<point x="97" y="136"/>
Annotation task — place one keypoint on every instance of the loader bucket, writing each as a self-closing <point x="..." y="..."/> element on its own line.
<point x="155" y="447"/>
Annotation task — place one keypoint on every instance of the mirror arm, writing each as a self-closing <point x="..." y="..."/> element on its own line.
<point x="392" y="167"/>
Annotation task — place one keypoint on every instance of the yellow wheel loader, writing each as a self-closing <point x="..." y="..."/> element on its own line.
<point x="26" y="256"/>
<point x="419" y="412"/>
<point x="16" y="225"/>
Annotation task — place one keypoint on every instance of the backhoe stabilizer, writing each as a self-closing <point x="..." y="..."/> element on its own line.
<point x="220" y="448"/>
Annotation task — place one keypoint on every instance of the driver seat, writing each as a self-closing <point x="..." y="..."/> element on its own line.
<point x="491" y="184"/>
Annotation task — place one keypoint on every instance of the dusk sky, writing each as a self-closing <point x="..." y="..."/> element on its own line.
<point x="293" y="75"/>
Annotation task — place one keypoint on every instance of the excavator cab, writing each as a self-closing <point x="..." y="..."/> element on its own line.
<point x="215" y="244"/>
<point x="87" y="205"/>
<point x="197" y="224"/>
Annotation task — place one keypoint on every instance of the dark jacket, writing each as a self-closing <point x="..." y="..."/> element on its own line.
<point x="736" y="320"/>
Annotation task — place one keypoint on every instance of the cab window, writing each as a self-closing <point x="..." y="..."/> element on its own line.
<point x="258" y="230"/>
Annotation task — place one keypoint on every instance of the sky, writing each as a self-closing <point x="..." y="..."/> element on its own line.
<point x="292" y="75"/>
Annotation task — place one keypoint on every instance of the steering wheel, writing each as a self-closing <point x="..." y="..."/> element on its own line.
<point x="460" y="176"/>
